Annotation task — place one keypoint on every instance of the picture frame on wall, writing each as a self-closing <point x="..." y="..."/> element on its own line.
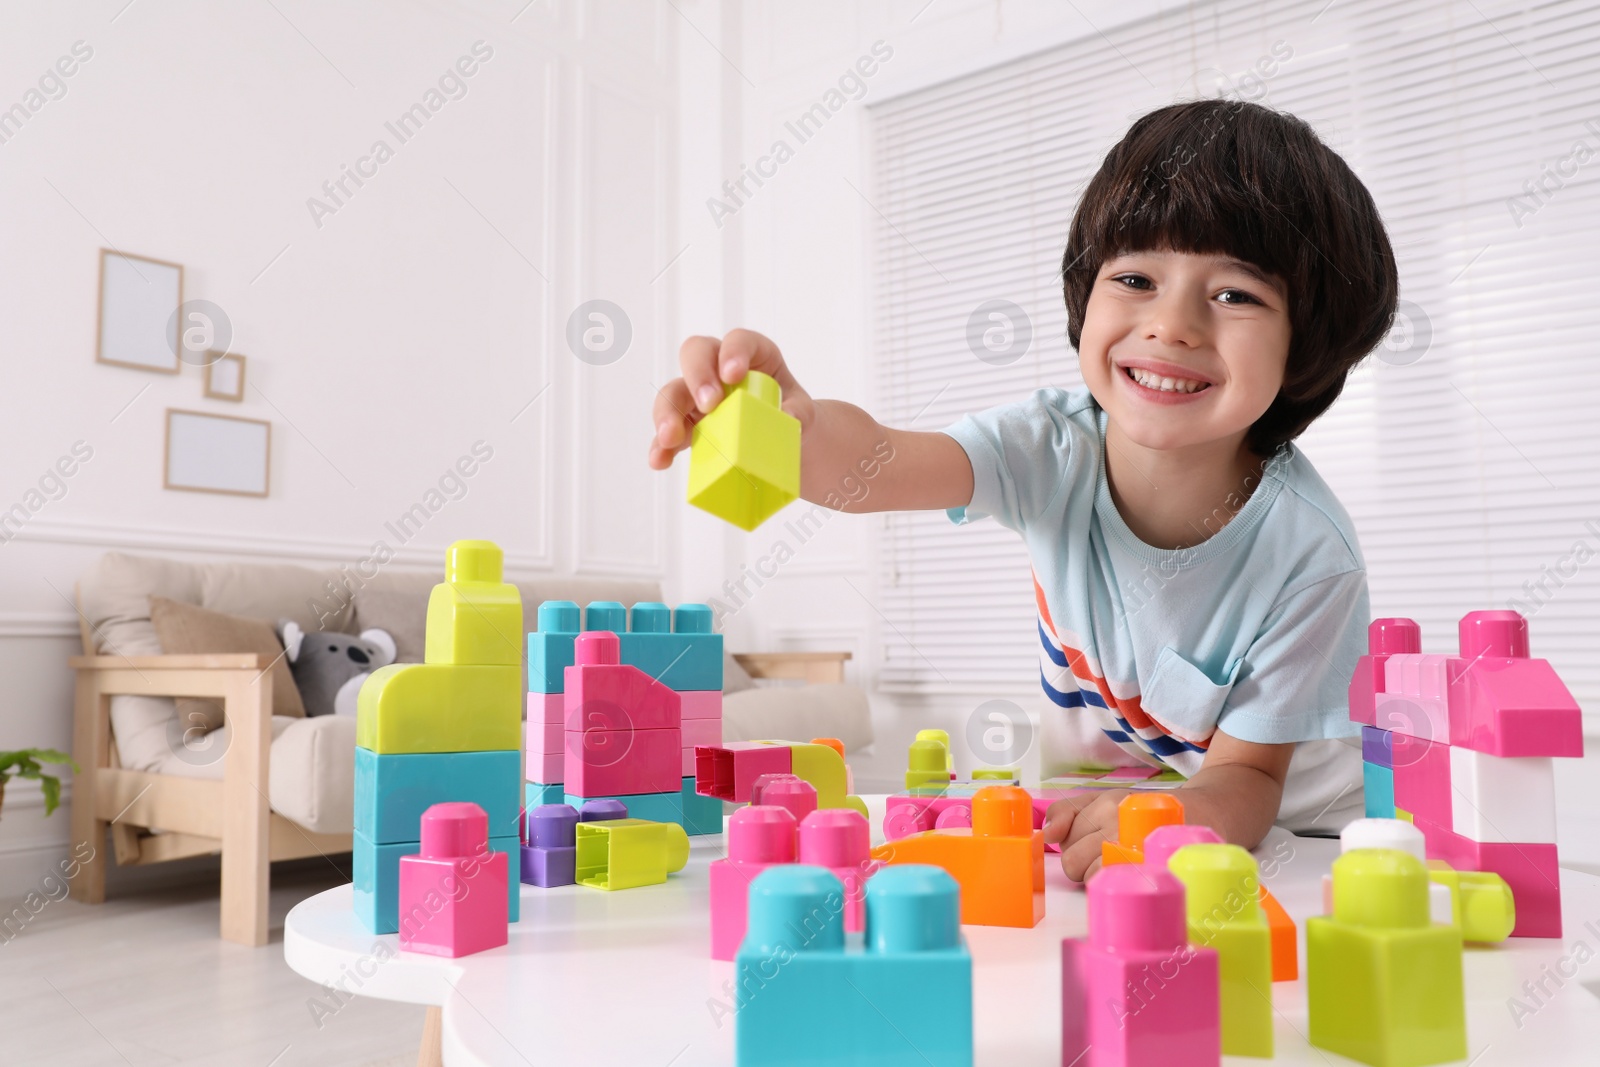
<point x="207" y="453"/>
<point x="137" y="319"/>
<point x="225" y="376"/>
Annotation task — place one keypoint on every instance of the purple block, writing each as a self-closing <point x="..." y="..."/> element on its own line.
<point x="552" y="826"/>
<point x="602" y="808"/>
<point x="1377" y="747"/>
<point x="549" y="867"/>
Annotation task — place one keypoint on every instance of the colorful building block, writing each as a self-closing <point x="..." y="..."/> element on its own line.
<point x="840" y="840"/>
<point x="900" y="998"/>
<point x="1221" y="900"/>
<point x="603" y="693"/>
<point x="688" y="658"/>
<point x="694" y="733"/>
<point x="788" y="791"/>
<point x="1377" y="746"/>
<point x="440" y="707"/>
<point x="1377" y="788"/>
<point x="1422" y="777"/>
<point x="759" y="836"/>
<point x="727" y="771"/>
<point x="1481" y="904"/>
<point x="453" y="891"/>
<point x="549" y="850"/>
<point x="1502" y="702"/>
<point x="474" y="617"/>
<point x="550" y="648"/>
<point x="700" y="704"/>
<point x="1137" y="815"/>
<point x="608" y="763"/>
<point x="701" y="814"/>
<point x="375" y="877"/>
<point x="1530" y="870"/>
<point x="927" y="763"/>
<point x="535" y="793"/>
<point x="628" y="853"/>
<point x="1285" y="942"/>
<point x="999" y="862"/>
<point x="549" y="709"/>
<point x="1137" y="991"/>
<point x="1162" y="841"/>
<point x="1502" y="798"/>
<point x="601" y="808"/>
<point x="943" y="737"/>
<point x="1385" y="637"/>
<point x="1383" y="982"/>
<point x="392" y="791"/>
<point x="656" y="807"/>
<point x="744" y="460"/>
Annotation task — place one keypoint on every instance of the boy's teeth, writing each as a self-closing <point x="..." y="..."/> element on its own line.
<point x="1168" y="385"/>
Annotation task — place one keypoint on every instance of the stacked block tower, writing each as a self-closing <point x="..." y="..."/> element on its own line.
<point x="1461" y="746"/>
<point x="447" y="729"/>
<point x="617" y="704"/>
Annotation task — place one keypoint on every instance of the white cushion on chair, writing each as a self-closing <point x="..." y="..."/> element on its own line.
<point x="799" y="713"/>
<point x="311" y="769"/>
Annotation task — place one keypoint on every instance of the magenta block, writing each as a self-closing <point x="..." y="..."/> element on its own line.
<point x="788" y="791"/>
<point x="727" y="771"/>
<point x="700" y="704"/>
<point x="1530" y="870"/>
<point x="1513" y="707"/>
<point x="603" y="693"/>
<point x="549" y="769"/>
<point x="608" y="763"/>
<point x="840" y="840"/>
<point x="1163" y="841"/>
<point x="1422" y="778"/>
<point x="1385" y="637"/>
<point x="759" y="836"/>
<point x="453" y="892"/>
<point x="543" y="738"/>
<point x="547" y="708"/>
<point x="696" y="732"/>
<point x="1135" y="992"/>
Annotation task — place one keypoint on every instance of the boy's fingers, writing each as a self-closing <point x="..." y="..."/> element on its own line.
<point x="697" y="358"/>
<point x="746" y="350"/>
<point x="1058" y="820"/>
<point x="1079" y="857"/>
<point x="672" y="414"/>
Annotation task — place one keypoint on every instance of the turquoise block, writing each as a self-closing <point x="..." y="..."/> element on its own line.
<point x="901" y="997"/>
<point x="550" y="645"/>
<point x="681" y="661"/>
<point x="392" y="790"/>
<point x="536" y="793"/>
<point x="375" y="873"/>
<point x="605" y="615"/>
<point x="701" y="814"/>
<point x="1378" y="785"/>
<point x="657" y="807"/>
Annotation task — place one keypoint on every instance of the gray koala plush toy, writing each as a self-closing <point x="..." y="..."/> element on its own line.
<point x="329" y="668"/>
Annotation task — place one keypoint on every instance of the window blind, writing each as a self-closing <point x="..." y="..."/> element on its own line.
<point x="1465" y="449"/>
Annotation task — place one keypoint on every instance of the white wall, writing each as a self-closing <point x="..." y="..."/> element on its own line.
<point x="423" y="315"/>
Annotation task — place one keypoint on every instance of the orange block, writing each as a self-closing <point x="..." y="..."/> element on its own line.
<point x="1285" y="955"/>
<point x="998" y="862"/>
<point x="1137" y="815"/>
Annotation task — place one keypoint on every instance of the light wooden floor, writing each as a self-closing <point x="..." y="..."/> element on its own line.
<point x="143" y="979"/>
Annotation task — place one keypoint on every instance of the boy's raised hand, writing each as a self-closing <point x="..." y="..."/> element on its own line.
<point x="1079" y="824"/>
<point x="709" y="364"/>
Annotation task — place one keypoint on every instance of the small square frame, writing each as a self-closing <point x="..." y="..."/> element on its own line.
<point x="215" y="359"/>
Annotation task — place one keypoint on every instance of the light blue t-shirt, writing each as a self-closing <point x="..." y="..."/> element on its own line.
<point x="1255" y="629"/>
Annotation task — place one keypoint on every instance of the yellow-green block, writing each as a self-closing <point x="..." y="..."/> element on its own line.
<point x="440" y="707"/>
<point x="744" y="461"/>
<point x="1481" y="905"/>
<point x="628" y="853"/>
<point x="1221" y="895"/>
<point x="1383" y="982"/>
<point x="824" y="769"/>
<point x="473" y="616"/>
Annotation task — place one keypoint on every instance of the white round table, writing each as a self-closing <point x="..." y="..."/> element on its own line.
<point x="626" y="978"/>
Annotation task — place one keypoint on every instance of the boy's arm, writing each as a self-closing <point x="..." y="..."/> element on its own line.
<point x="1236" y="792"/>
<point x="841" y="446"/>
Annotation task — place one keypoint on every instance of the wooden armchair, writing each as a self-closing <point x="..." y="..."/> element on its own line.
<point x="809" y="667"/>
<point x="199" y="816"/>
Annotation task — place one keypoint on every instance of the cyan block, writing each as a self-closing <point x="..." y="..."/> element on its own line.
<point x="536" y="793"/>
<point x="375" y="874"/>
<point x="550" y="646"/>
<point x="701" y="814"/>
<point x="656" y="807"/>
<point x="901" y="998"/>
<point x="1377" y="784"/>
<point x="688" y="658"/>
<point x="392" y="790"/>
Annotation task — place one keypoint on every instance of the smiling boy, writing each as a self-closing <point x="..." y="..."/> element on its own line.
<point x="1202" y="599"/>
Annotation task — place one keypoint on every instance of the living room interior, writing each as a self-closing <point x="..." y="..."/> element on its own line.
<point x="422" y="270"/>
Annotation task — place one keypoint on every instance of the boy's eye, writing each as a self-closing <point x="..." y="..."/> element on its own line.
<point x="1132" y="281"/>
<point x="1236" y="296"/>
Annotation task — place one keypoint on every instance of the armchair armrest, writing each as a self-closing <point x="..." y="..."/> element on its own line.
<point x="811" y="667"/>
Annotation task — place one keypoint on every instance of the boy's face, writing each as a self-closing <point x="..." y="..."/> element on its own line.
<point x="1183" y="349"/>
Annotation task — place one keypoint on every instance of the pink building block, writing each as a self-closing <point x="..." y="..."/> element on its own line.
<point x="759" y="836"/>
<point x="1502" y="702"/>
<point x="1135" y="992"/>
<point x="701" y="732"/>
<point x="700" y="704"/>
<point x="610" y="763"/>
<point x="1422" y="778"/>
<point x="1530" y="870"/>
<point x="548" y="769"/>
<point x="840" y="840"/>
<point x="788" y="791"/>
<point x="547" y="708"/>
<point x="603" y="693"/>
<point x="907" y="815"/>
<point x="1385" y="637"/>
<point x="1413" y="698"/>
<point x="453" y="892"/>
<point x="1163" y="841"/>
<point x="543" y="737"/>
<point x="727" y="771"/>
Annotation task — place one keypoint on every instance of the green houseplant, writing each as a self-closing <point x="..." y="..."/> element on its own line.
<point x="28" y="763"/>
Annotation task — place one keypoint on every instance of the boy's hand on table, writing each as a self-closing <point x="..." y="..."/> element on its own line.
<point x="1079" y="824"/>
<point x="709" y="365"/>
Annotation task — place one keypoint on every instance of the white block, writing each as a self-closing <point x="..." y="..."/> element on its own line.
<point x="1502" y="799"/>
<point x="1384" y="833"/>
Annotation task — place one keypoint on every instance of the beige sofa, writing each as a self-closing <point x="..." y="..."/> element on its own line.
<point x="267" y="787"/>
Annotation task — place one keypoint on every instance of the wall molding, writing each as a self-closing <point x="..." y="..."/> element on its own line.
<point x="38" y="624"/>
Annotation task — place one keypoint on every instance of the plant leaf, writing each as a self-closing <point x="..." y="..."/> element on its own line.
<point x="52" y="792"/>
<point x="50" y="755"/>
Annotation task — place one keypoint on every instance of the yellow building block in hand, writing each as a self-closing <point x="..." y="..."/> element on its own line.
<point x="473" y="616"/>
<point x="440" y="707"/>
<point x="744" y="464"/>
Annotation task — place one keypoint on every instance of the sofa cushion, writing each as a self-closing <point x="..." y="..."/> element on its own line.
<point x="184" y="629"/>
<point x="311" y="769"/>
<point x="799" y="713"/>
<point x="735" y="679"/>
<point x="274" y="591"/>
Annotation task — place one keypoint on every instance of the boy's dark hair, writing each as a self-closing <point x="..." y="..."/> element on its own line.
<point x="1235" y="178"/>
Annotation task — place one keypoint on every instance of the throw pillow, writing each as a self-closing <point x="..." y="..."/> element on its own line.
<point x="184" y="629"/>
